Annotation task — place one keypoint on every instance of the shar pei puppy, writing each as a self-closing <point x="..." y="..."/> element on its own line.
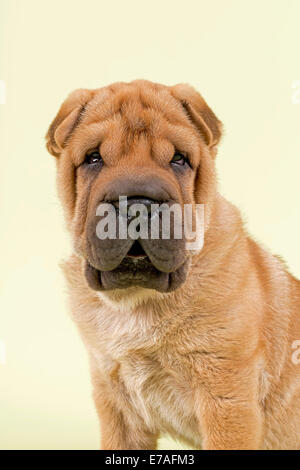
<point x="194" y="336"/>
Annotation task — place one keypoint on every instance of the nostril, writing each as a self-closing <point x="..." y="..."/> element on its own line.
<point x="131" y="201"/>
<point x="134" y="200"/>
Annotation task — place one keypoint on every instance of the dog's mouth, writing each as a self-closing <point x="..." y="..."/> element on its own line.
<point x="135" y="270"/>
<point x="136" y="252"/>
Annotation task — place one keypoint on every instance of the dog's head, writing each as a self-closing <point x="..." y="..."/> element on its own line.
<point x="124" y="153"/>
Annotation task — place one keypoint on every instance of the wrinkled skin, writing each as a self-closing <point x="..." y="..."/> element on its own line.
<point x="201" y="345"/>
<point x="136" y="128"/>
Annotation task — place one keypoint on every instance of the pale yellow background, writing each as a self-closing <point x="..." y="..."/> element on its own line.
<point x="243" y="55"/>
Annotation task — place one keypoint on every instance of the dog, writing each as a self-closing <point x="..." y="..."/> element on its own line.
<point x="198" y="344"/>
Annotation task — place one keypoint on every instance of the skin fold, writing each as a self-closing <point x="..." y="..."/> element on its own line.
<point x="200" y="345"/>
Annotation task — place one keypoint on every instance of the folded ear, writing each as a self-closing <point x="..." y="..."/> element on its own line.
<point x="66" y="120"/>
<point x="200" y="114"/>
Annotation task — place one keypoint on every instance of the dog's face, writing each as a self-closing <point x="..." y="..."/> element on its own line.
<point x="154" y="145"/>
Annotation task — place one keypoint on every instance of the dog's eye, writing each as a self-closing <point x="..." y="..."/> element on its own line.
<point x="93" y="158"/>
<point x="179" y="159"/>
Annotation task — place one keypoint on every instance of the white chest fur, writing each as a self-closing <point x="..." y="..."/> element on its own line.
<point x="127" y="352"/>
<point x="161" y="398"/>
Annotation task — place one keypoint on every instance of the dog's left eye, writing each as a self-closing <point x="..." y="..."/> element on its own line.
<point x="179" y="159"/>
<point x="93" y="158"/>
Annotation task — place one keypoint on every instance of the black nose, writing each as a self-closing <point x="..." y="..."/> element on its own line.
<point x="142" y="188"/>
<point x="127" y="202"/>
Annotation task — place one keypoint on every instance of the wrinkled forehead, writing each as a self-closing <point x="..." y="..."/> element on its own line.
<point x="120" y="115"/>
<point x="137" y="103"/>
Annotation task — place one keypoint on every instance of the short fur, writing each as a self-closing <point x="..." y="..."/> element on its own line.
<point x="210" y="363"/>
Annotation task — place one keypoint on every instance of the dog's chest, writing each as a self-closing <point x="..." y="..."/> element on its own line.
<point x="160" y="397"/>
<point x="145" y="383"/>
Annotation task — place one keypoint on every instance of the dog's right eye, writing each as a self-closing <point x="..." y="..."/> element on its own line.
<point x="93" y="158"/>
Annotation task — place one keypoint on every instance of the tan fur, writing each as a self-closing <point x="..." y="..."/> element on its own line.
<point x="210" y="363"/>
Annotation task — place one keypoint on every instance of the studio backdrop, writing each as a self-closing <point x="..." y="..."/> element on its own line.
<point x="243" y="57"/>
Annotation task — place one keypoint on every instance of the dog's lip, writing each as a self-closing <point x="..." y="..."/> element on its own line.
<point x="170" y="280"/>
